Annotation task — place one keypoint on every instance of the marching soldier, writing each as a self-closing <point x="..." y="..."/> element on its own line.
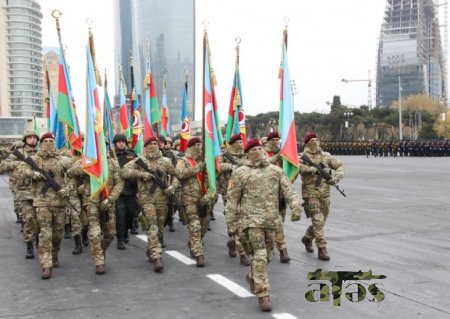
<point x="317" y="198"/>
<point x="252" y="212"/>
<point x="190" y="172"/>
<point x="48" y="202"/>
<point x="21" y="189"/>
<point x="273" y="151"/>
<point x="152" y="198"/>
<point x="100" y="211"/>
<point x="236" y="146"/>
<point x="127" y="205"/>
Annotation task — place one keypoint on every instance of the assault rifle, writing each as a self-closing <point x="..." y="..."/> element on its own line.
<point x="323" y="174"/>
<point x="230" y="157"/>
<point x="48" y="176"/>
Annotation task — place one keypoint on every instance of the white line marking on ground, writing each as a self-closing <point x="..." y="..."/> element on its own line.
<point x="284" y="316"/>
<point x="185" y="260"/>
<point x="142" y="237"/>
<point x="230" y="285"/>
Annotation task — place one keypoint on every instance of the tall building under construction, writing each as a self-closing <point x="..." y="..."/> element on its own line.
<point x="411" y="53"/>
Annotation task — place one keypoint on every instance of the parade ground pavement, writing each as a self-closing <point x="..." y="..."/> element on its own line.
<point x="395" y="222"/>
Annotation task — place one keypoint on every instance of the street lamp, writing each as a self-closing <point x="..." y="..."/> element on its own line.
<point x="347" y="114"/>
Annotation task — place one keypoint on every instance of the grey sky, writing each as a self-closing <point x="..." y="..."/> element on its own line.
<point x="328" y="40"/>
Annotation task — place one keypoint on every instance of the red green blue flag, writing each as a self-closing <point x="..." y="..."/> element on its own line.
<point x="185" y="134"/>
<point x="212" y="134"/>
<point x="123" y="111"/>
<point x="152" y="111"/>
<point x="94" y="157"/>
<point x="289" y="150"/>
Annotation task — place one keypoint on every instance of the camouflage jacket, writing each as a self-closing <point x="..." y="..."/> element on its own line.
<point x="226" y="168"/>
<point x="191" y="191"/>
<point x="274" y="155"/>
<point x="21" y="187"/>
<point x="253" y="195"/>
<point x="53" y="163"/>
<point x="309" y="188"/>
<point x="155" y="162"/>
<point x="114" y="185"/>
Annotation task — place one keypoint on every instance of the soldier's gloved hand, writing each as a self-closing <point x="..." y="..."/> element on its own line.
<point x="206" y="200"/>
<point x="201" y="167"/>
<point x="333" y="181"/>
<point x="38" y="176"/>
<point x="80" y="190"/>
<point x="296" y="214"/>
<point x="146" y="176"/>
<point x="170" y="190"/>
<point x="105" y="205"/>
<point x="311" y="170"/>
<point x="63" y="193"/>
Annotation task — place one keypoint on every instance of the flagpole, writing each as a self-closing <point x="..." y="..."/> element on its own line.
<point x="47" y="100"/>
<point x="205" y="40"/>
<point x="131" y="120"/>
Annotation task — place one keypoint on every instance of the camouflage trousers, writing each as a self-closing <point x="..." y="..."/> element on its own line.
<point x="239" y="247"/>
<point x="260" y="245"/>
<point x="318" y="208"/>
<point x="156" y="217"/>
<point x="279" y="233"/>
<point x="73" y="217"/>
<point x="28" y="215"/>
<point x="51" y="225"/>
<point x="100" y="236"/>
<point x="197" y="228"/>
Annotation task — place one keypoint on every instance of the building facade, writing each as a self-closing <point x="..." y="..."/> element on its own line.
<point x="22" y="63"/>
<point x="410" y="54"/>
<point x="169" y="28"/>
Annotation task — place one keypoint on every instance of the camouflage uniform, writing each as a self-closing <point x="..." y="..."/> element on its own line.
<point x="23" y="197"/>
<point x="317" y="199"/>
<point x="223" y="178"/>
<point x="49" y="206"/>
<point x="252" y="211"/>
<point x="188" y="172"/>
<point x="273" y="151"/>
<point x="154" y="205"/>
<point x="100" y="234"/>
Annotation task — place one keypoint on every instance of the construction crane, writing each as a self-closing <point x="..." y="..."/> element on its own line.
<point x="369" y="85"/>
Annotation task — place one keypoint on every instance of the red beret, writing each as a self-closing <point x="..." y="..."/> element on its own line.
<point x="234" y="138"/>
<point x="309" y="136"/>
<point x="46" y="135"/>
<point x="272" y="135"/>
<point x="150" y="139"/>
<point x="194" y="141"/>
<point x="251" y="144"/>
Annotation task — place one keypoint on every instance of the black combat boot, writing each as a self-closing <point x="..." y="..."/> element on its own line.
<point x="120" y="243"/>
<point x="78" y="248"/>
<point x="171" y="228"/>
<point x="161" y="241"/>
<point x="284" y="257"/>
<point x="212" y="216"/>
<point x="67" y="231"/>
<point x="134" y="227"/>
<point x="84" y="236"/>
<point x="30" y="250"/>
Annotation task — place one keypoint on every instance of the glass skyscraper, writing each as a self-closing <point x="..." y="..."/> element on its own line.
<point x="23" y="65"/>
<point x="169" y="27"/>
<point x="410" y="51"/>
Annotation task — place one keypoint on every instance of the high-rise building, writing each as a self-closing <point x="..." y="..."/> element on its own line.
<point x="21" y="59"/>
<point x="51" y="66"/>
<point x="410" y="52"/>
<point x="169" y="27"/>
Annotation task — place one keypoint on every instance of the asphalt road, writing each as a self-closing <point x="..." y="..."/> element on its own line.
<point x="395" y="222"/>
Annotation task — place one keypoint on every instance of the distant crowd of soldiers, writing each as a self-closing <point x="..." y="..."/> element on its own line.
<point x="424" y="148"/>
<point x="52" y="195"/>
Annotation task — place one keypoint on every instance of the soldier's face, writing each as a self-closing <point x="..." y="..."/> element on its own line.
<point x="152" y="147"/>
<point x="239" y="144"/>
<point x="48" y="144"/>
<point x="31" y="140"/>
<point x="313" y="143"/>
<point x="121" y="145"/>
<point x="168" y="146"/>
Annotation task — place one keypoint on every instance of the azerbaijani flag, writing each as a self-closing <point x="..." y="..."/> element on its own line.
<point x="108" y="118"/>
<point x="165" y="126"/>
<point x="123" y="111"/>
<point x="66" y="104"/>
<point x="152" y="111"/>
<point x="94" y="158"/>
<point x="289" y="150"/>
<point x="236" y="117"/>
<point x="36" y="127"/>
<point x="185" y="134"/>
<point x="55" y="126"/>
<point x="212" y="135"/>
